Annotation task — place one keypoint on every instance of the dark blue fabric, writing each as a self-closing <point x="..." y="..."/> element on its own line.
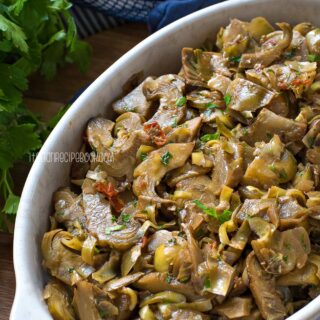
<point x="157" y="13"/>
<point x="171" y="10"/>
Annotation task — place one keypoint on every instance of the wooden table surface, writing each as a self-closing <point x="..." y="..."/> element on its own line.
<point x="46" y="98"/>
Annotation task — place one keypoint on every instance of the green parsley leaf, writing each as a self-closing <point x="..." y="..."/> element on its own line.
<point x="113" y="218"/>
<point x="235" y="59"/>
<point x="209" y="108"/>
<point x="172" y="241"/>
<point x="283" y="174"/>
<point x="227" y="99"/>
<point x="181" y="101"/>
<point x="210" y="136"/>
<point x="311" y="141"/>
<point x="207" y="283"/>
<point x="209" y="211"/>
<point x="143" y="156"/>
<point x="272" y="168"/>
<point x="223" y="217"/>
<point x="211" y="105"/>
<point x="169" y="278"/>
<point x="117" y="227"/>
<point x="313" y="58"/>
<point x="165" y="158"/>
<point x="70" y="270"/>
<point x="13" y="32"/>
<point x="174" y="123"/>
<point x="103" y="313"/>
<point x="126" y="217"/>
<point x="24" y="139"/>
<point x="289" y="54"/>
<point x="34" y="36"/>
<point x="12" y="204"/>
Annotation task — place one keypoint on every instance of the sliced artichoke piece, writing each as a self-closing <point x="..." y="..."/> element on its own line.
<point x="149" y="173"/>
<point x="281" y="252"/>
<point x="258" y="27"/>
<point x="248" y="96"/>
<point x="99" y="134"/>
<point x="263" y="289"/>
<point x="58" y="300"/>
<point x="234" y="38"/>
<point x="116" y="284"/>
<point x="272" y="165"/>
<point x="163" y="297"/>
<point x="228" y="164"/>
<point x="63" y="264"/>
<point x="313" y="41"/>
<point x="268" y="124"/>
<point x="300" y="277"/>
<point x="235" y="307"/>
<point x="134" y="101"/>
<point x="169" y="91"/>
<point x="265" y="57"/>
<point x="157" y="282"/>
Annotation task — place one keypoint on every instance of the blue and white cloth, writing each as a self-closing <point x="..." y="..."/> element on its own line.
<point x="93" y="16"/>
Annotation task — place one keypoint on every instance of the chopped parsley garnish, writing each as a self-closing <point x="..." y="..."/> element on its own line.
<point x="102" y="313"/>
<point x="207" y="283"/>
<point x="114" y="218"/>
<point x="303" y="242"/>
<point x="290" y="54"/>
<point x="313" y="58"/>
<point x="70" y="270"/>
<point x="225" y="216"/>
<point x="172" y="241"/>
<point x="210" y="136"/>
<point x="117" y="227"/>
<point x="227" y="99"/>
<point x="126" y="217"/>
<point x="174" y="123"/>
<point x="272" y="168"/>
<point x="143" y="156"/>
<point x="311" y="141"/>
<point x="181" y="101"/>
<point x="222" y="217"/>
<point x="235" y="59"/>
<point x="285" y="259"/>
<point x="165" y="158"/>
<point x="211" y="105"/>
<point x="283" y="174"/>
<point x="135" y="202"/>
<point x="169" y="278"/>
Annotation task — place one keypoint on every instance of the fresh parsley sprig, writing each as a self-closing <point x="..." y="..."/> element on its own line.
<point x="221" y="217"/>
<point x="35" y="35"/>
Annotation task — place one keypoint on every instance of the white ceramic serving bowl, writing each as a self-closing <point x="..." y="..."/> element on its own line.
<point x="158" y="54"/>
